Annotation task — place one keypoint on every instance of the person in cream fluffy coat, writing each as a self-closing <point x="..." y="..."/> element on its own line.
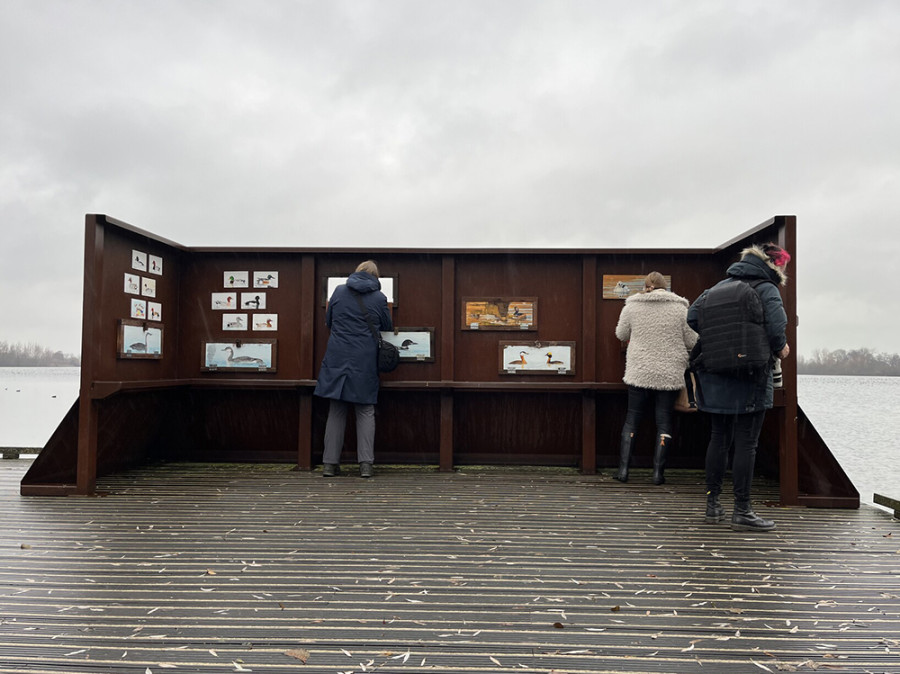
<point x="654" y="324"/>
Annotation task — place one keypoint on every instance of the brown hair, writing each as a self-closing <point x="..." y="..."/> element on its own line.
<point x="654" y="281"/>
<point x="369" y="267"/>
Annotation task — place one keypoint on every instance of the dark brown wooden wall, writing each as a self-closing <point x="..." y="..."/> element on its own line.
<point x="460" y="408"/>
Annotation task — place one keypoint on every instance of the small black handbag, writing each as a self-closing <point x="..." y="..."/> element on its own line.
<point x="388" y="354"/>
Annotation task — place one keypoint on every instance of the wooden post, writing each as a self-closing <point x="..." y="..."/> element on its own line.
<point x="589" y="364"/>
<point x="448" y="335"/>
<point x="86" y="469"/>
<point x="789" y="482"/>
<point x="307" y="354"/>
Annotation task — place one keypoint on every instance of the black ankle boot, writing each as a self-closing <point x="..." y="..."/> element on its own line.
<point x="625" y="456"/>
<point x="715" y="513"/>
<point x="659" y="459"/>
<point x="744" y="519"/>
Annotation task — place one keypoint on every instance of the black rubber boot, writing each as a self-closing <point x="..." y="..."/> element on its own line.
<point x="330" y="470"/>
<point x="715" y="513"/>
<point x="625" y="456"/>
<point x="659" y="459"/>
<point x="365" y="469"/>
<point x="744" y="519"/>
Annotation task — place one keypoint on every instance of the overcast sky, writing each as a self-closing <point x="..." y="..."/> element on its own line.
<point x="461" y="123"/>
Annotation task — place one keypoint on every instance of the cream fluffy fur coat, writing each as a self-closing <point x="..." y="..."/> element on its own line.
<point x="659" y="340"/>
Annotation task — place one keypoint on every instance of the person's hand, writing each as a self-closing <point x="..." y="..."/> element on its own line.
<point x="784" y="353"/>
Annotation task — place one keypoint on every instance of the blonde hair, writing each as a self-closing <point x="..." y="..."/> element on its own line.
<point x="369" y="267"/>
<point x="654" y="281"/>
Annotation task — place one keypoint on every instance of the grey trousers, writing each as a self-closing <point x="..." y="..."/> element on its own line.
<point x="334" y="432"/>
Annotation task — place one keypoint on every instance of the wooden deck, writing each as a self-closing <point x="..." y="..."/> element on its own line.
<point x="224" y="568"/>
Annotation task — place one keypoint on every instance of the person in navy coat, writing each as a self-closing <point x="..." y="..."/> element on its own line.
<point x="737" y="405"/>
<point x="349" y="372"/>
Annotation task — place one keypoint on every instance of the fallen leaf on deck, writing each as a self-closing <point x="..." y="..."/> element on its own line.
<point x="300" y="654"/>
<point x="615" y="608"/>
<point x="558" y="626"/>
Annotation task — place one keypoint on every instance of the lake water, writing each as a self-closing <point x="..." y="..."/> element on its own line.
<point x="858" y="417"/>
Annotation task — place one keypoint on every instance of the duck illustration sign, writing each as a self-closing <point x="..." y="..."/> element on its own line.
<point x="414" y="344"/>
<point x="136" y="339"/>
<point x="257" y="355"/>
<point x="537" y="357"/>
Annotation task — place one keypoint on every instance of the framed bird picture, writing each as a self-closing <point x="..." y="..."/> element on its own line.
<point x="252" y="355"/>
<point x="389" y="286"/>
<point x="499" y="313"/>
<point x="537" y="357"/>
<point x="414" y="344"/>
<point x="138" y="339"/>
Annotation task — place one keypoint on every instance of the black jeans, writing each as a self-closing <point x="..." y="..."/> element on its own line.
<point x="639" y="399"/>
<point x="742" y="430"/>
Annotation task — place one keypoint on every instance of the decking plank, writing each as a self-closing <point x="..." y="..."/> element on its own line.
<point x="213" y="568"/>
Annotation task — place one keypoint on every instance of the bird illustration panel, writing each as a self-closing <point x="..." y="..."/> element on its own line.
<point x="138" y="340"/>
<point x="138" y="260"/>
<point x="254" y="301"/>
<point x="265" y="322"/>
<point x="537" y="357"/>
<point x="414" y="344"/>
<point x="224" y="301"/>
<point x="236" y="279"/>
<point x="234" y="321"/>
<point x="388" y="286"/>
<point x="622" y="286"/>
<point x="256" y="355"/>
<point x="132" y="284"/>
<point x="499" y="313"/>
<point x="155" y="264"/>
<point x="265" y="279"/>
<point x="138" y="309"/>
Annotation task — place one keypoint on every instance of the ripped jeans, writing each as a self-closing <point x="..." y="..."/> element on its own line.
<point x="639" y="399"/>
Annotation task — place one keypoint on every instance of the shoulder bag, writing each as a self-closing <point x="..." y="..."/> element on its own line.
<point x="388" y="354"/>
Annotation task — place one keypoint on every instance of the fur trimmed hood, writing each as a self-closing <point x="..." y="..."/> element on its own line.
<point x="658" y="295"/>
<point x="756" y="251"/>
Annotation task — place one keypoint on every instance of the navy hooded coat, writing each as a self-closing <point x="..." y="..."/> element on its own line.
<point x="349" y="370"/>
<point x="722" y="394"/>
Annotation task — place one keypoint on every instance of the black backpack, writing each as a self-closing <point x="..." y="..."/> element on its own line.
<point x="732" y="327"/>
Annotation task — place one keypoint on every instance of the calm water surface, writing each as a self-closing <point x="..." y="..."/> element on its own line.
<point x="858" y="417"/>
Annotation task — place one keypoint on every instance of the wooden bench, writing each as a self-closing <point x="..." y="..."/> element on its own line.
<point x="888" y="502"/>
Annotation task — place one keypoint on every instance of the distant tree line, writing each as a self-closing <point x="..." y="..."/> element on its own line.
<point x="33" y="355"/>
<point x="856" y="362"/>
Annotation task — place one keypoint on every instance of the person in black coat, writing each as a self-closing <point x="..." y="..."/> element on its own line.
<point x="349" y="372"/>
<point x="737" y="404"/>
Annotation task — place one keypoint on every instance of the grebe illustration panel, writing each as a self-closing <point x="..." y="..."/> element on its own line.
<point x="257" y="355"/>
<point x="136" y="339"/>
<point x="537" y="357"/>
<point x="148" y="287"/>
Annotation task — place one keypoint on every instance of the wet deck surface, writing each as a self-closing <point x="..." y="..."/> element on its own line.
<point x="226" y="568"/>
